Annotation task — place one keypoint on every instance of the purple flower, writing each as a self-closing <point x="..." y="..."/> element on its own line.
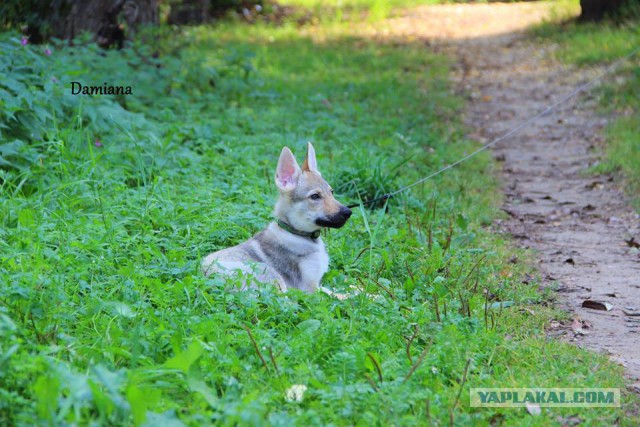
<point x="55" y="80"/>
<point x="47" y="51"/>
<point x="97" y="143"/>
<point x="24" y="41"/>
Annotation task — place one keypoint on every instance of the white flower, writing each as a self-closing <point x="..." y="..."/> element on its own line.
<point x="295" y="393"/>
<point x="434" y="369"/>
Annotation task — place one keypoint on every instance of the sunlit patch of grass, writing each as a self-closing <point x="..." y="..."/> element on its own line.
<point x="342" y="10"/>
<point x="560" y="12"/>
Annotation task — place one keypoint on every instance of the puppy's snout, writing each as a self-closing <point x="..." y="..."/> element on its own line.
<point x="335" y="220"/>
<point x="345" y="213"/>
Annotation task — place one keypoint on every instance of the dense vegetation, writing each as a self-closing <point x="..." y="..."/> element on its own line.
<point x="108" y="203"/>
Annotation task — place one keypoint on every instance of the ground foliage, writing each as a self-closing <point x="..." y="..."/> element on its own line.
<point x="108" y="203"/>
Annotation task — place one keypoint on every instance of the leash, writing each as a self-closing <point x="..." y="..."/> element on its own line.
<point x="512" y="132"/>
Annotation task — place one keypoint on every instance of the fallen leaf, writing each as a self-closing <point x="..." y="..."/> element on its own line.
<point x="631" y="312"/>
<point x="613" y="295"/>
<point x="576" y="323"/>
<point x="597" y="305"/>
<point x="632" y="243"/>
<point x="578" y="326"/>
<point x="594" y="185"/>
<point x="533" y="409"/>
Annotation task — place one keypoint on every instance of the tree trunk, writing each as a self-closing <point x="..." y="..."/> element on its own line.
<point x="109" y="21"/>
<point x="596" y="10"/>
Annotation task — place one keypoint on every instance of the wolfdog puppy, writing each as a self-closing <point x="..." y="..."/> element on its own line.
<point x="289" y="252"/>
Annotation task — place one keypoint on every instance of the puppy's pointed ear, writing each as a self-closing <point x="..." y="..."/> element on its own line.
<point x="310" y="163"/>
<point x="288" y="171"/>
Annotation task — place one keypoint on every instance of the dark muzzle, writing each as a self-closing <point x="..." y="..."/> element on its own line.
<point x="336" y="220"/>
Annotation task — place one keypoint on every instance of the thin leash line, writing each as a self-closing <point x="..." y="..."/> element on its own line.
<point x="513" y="131"/>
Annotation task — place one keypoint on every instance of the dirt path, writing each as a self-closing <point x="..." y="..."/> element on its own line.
<point x="575" y="223"/>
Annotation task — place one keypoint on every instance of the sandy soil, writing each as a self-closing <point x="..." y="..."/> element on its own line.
<point x="579" y="226"/>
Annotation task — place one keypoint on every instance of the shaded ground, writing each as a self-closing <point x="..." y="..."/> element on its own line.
<point x="579" y="225"/>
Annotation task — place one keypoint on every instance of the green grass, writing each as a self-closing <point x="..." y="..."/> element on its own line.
<point x="603" y="43"/>
<point x="105" y="318"/>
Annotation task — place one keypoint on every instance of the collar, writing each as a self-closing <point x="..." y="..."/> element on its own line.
<point x="313" y="235"/>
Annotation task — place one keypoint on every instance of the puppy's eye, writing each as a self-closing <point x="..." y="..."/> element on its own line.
<point x="315" y="196"/>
